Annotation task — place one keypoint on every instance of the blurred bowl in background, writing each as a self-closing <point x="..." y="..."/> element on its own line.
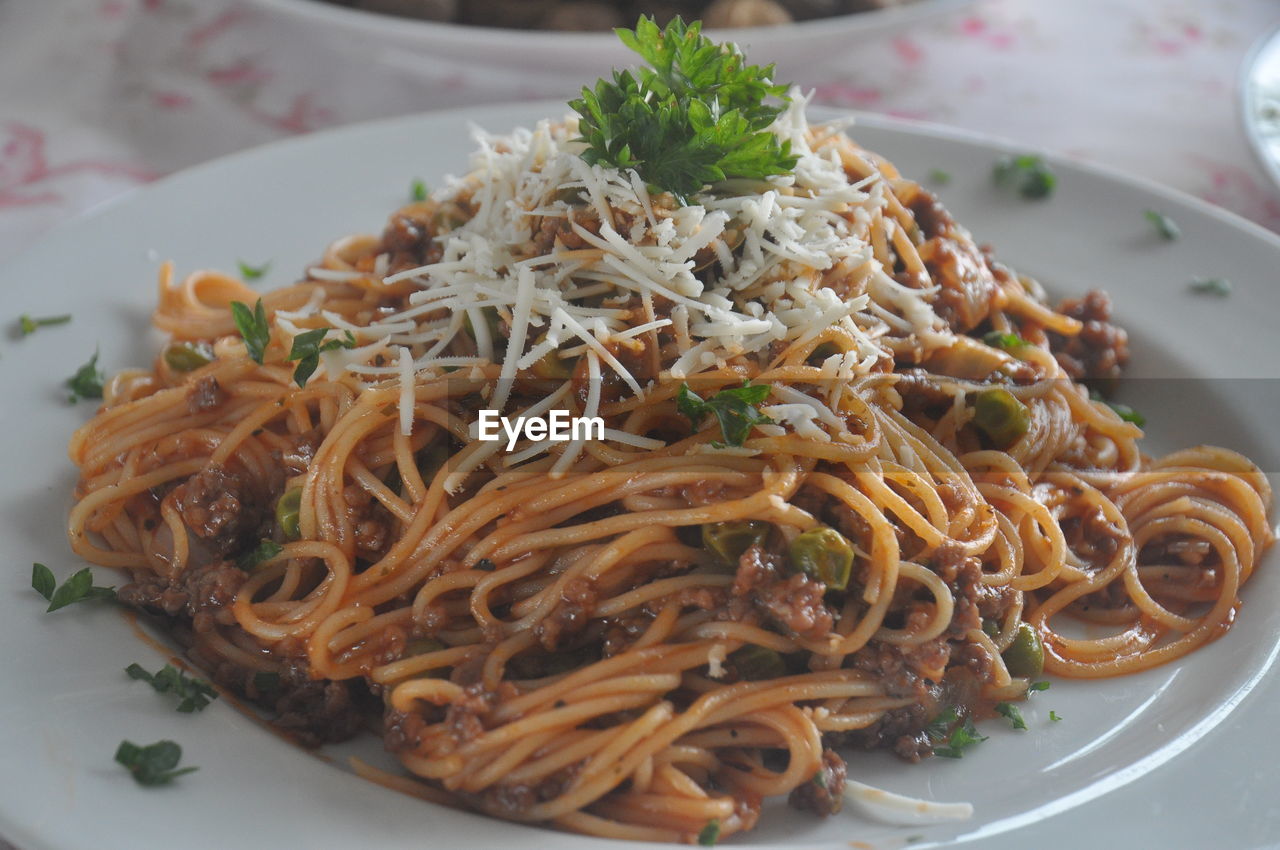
<point x="578" y="57"/>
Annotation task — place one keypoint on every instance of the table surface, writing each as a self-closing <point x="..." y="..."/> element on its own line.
<point x="99" y="97"/>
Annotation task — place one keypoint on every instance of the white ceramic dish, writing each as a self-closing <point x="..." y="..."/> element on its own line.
<point x="1104" y="776"/>
<point x="1260" y="102"/>
<point x="793" y="47"/>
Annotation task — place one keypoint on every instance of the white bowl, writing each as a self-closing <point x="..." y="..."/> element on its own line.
<point x="792" y="47"/>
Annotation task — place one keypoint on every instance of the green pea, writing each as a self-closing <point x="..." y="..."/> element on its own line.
<point x="188" y="356"/>
<point x="1025" y="656"/>
<point x="754" y="663"/>
<point x="728" y="540"/>
<point x="823" y="554"/>
<point x="1001" y="417"/>
<point x="287" y="509"/>
<point x="552" y="366"/>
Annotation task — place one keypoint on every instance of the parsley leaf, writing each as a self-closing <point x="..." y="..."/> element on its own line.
<point x="1009" y="710"/>
<point x="153" y="764"/>
<point x="264" y="551"/>
<point x="253" y="328"/>
<point x="1218" y="286"/>
<point x="306" y="350"/>
<point x="78" y="588"/>
<point x="193" y="694"/>
<point x="1027" y="174"/>
<point x="709" y="834"/>
<point x="1165" y="226"/>
<point x="1054" y="716"/>
<point x="734" y="408"/>
<point x="248" y="272"/>
<point x="940" y="177"/>
<point x="953" y="738"/>
<point x="28" y="325"/>
<point x="1124" y="411"/>
<point x="1006" y="341"/>
<point x="418" y="190"/>
<point x="696" y="116"/>
<point x="87" y="381"/>
<point x="1037" y="686"/>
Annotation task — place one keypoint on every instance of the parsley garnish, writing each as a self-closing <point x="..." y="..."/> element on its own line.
<point x="193" y="694"/>
<point x="248" y="272"/>
<point x="1009" y="710"/>
<point x="1211" y="286"/>
<point x="264" y="551"/>
<point x="734" y="408"/>
<point x="1165" y="226"/>
<point x="710" y="834"/>
<point x="27" y="325"/>
<point x="1026" y="173"/>
<point x="940" y="177"/>
<point x="253" y="328"/>
<point x="696" y="116"/>
<point x="306" y="350"/>
<point x="87" y="381"/>
<point x="78" y="588"/>
<point x="418" y="190"/>
<point x="153" y="764"/>
<point x="1037" y="686"/>
<point x="955" y="738"/>
<point x="1124" y="411"/>
<point x="1054" y="716"/>
<point x="1006" y="341"/>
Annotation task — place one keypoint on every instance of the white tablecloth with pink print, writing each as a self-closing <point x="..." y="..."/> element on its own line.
<point x="98" y="97"/>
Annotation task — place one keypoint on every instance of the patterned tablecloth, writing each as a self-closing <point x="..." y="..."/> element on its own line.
<point x="98" y="97"/>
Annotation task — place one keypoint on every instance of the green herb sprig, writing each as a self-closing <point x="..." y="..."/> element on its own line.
<point x="154" y="764"/>
<point x="251" y="273"/>
<point x="1027" y="174"/>
<point x="709" y="835"/>
<point x="78" y="588"/>
<point x="87" y="381"/>
<point x="1165" y="226"/>
<point x="193" y="694"/>
<point x="307" y="347"/>
<point x="1218" y="286"/>
<point x="253" y="328"/>
<point x="28" y="325"/>
<point x="260" y="554"/>
<point x="1010" y="711"/>
<point x="696" y="116"/>
<point x="734" y="408"/>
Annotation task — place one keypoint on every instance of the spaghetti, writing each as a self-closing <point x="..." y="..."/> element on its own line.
<point x="639" y="636"/>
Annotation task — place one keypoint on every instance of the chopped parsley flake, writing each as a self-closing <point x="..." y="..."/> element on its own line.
<point x="253" y="328"/>
<point x="1218" y="286"/>
<point x="251" y="273"/>
<point x="263" y="552"/>
<point x="154" y="764"/>
<point x="78" y="588"/>
<point x="28" y="325"/>
<point x="418" y="190"/>
<point x="1009" y="710"/>
<point x="710" y="834"/>
<point x="1165" y="226"/>
<point x="734" y="408"/>
<point x="1027" y="174"/>
<point x="193" y="694"/>
<point x="87" y="381"/>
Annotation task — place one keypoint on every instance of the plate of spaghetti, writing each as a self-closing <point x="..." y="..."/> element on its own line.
<point x="863" y="540"/>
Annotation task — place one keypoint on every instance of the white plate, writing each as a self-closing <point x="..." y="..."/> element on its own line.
<point x="793" y="47"/>
<point x="66" y="704"/>
<point x="1260" y="102"/>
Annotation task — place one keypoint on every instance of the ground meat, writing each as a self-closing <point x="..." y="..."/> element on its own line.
<point x="205" y="394"/>
<point x="315" y="711"/>
<point x="1100" y="350"/>
<point x="464" y="717"/>
<point x="298" y="458"/>
<point x="824" y="793"/>
<point x="197" y="590"/>
<point x="513" y="801"/>
<point x="794" y="602"/>
<point x="402" y="731"/>
<point x="219" y="507"/>
<point x="1092" y="536"/>
<point x="622" y="631"/>
<point x="369" y="520"/>
<point x="967" y="287"/>
<point x="570" y="615"/>
<point x="409" y="238"/>
<point x="900" y="730"/>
